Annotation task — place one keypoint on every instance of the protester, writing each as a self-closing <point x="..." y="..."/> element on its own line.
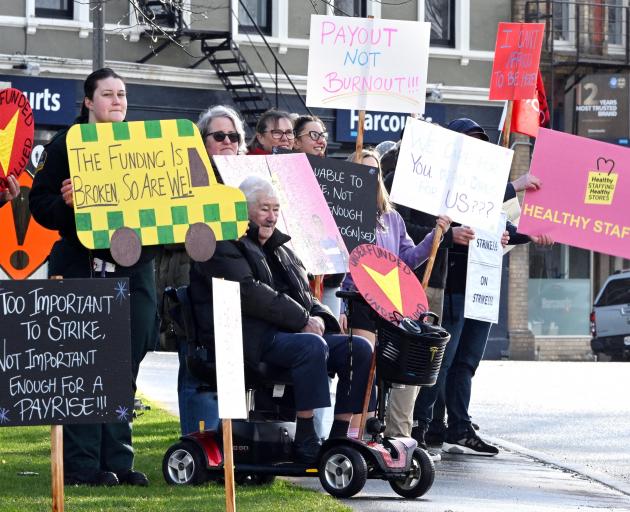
<point x="468" y="337"/>
<point x="391" y="234"/>
<point x="12" y="191"/>
<point x="274" y="129"/>
<point x="283" y="323"/>
<point x="311" y="136"/>
<point x="95" y="454"/>
<point x="222" y="131"/>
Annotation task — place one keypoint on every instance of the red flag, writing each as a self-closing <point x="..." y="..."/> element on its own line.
<point x="529" y="115"/>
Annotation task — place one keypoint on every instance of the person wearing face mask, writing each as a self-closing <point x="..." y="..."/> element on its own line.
<point x="222" y="131"/>
<point x="274" y="129"/>
<point x="95" y="454"/>
<point x="283" y="324"/>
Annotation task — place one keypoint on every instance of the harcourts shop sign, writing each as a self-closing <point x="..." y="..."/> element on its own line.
<point x="379" y="126"/>
<point x="52" y="100"/>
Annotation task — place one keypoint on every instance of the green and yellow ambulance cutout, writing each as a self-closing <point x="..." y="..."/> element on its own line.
<point x="149" y="183"/>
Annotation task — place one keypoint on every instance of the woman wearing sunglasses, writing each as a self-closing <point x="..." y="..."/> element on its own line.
<point x="311" y="136"/>
<point x="274" y="129"/>
<point x="223" y="134"/>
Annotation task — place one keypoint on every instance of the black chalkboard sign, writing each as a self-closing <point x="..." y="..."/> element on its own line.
<point x="350" y="190"/>
<point x="65" y="352"/>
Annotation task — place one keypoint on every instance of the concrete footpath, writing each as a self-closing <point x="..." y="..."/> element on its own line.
<point x="517" y="480"/>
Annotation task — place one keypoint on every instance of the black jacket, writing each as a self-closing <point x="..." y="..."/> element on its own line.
<point x="49" y="209"/>
<point x="265" y="310"/>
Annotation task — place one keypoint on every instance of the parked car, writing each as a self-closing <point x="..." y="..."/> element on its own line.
<point x="610" y="318"/>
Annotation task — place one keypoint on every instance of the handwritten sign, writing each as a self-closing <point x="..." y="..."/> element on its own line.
<point x="444" y="172"/>
<point x="304" y="214"/>
<point x="592" y="210"/>
<point x="153" y="177"/>
<point x="65" y="352"/>
<point x="387" y="284"/>
<point x="367" y="64"/>
<point x="17" y="127"/>
<point x="516" y="60"/>
<point x="483" y="278"/>
<point x="228" y="346"/>
<point x="350" y="190"/>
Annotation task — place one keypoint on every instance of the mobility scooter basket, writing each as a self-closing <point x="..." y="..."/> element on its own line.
<point x="406" y="357"/>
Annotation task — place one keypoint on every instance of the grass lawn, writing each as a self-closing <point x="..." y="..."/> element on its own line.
<point x="27" y="449"/>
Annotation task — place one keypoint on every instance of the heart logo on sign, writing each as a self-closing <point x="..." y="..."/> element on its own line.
<point x="17" y="127"/>
<point x="604" y="164"/>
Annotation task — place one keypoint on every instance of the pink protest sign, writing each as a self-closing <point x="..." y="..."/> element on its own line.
<point x="304" y="212"/>
<point x="368" y="64"/>
<point x="585" y="193"/>
<point x="516" y="60"/>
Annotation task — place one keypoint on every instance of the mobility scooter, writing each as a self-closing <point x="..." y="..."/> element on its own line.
<point x="262" y="444"/>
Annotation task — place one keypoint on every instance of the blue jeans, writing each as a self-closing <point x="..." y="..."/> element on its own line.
<point x="311" y="357"/>
<point x="195" y="402"/>
<point x="461" y="359"/>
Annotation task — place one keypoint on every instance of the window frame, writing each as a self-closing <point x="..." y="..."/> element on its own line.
<point x="62" y="14"/>
<point x="266" y="29"/>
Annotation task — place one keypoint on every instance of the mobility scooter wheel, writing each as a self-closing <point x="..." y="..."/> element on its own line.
<point x="184" y="464"/>
<point x="342" y="471"/>
<point x="419" y="479"/>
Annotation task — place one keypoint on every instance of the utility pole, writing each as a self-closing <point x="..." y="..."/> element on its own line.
<point x="98" y="35"/>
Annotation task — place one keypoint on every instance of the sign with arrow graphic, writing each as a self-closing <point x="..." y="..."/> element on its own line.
<point x="17" y="127"/>
<point x="387" y="284"/>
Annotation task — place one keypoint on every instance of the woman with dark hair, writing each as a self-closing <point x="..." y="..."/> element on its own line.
<point x="311" y="136"/>
<point x="95" y="454"/>
<point x="274" y="129"/>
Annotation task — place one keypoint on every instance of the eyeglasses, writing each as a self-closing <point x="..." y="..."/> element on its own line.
<point x="220" y="136"/>
<point x="315" y="136"/>
<point x="277" y="134"/>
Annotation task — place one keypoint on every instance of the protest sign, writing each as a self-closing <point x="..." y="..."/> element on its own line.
<point x="304" y="214"/>
<point x="591" y="211"/>
<point x="228" y="346"/>
<point x="368" y="64"/>
<point x="149" y="183"/>
<point x="65" y="352"/>
<point x="483" y="277"/>
<point x="516" y="60"/>
<point x="350" y="190"/>
<point x="25" y="243"/>
<point x="17" y="127"/>
<point x="387" y="283"/>
<point x="440" y="171"/>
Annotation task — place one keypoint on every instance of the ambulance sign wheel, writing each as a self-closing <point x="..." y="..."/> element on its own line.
<point x="125" y="247"/>
<point x="200" y="242"/>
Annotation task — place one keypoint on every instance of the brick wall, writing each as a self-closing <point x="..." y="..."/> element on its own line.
<point x="568" y="348"/>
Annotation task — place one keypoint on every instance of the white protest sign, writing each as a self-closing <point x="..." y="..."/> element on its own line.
<point x="228" y="347"/>
<point x="483" y="281"/>
<point x="440" y="171"/>
<point x="368" y="64"/>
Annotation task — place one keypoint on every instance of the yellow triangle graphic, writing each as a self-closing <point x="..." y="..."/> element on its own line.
<point x="7" y="136"/>
<point x="389" y="283"/>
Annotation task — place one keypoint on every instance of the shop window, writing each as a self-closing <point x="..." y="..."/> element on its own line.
<point x="63" y="9"/>
<point x="355" y="8"/>
<point x="441" y="15"/>
<point x="260" y="12"/>
<point x="615" y="18"/>
<point x="559" y="294"/>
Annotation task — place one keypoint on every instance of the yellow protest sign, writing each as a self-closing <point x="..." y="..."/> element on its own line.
<point x="149" y="183"/>
<point x="600" y="187"/>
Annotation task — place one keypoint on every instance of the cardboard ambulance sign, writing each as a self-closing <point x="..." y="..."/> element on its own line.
<point x="17" y="127"/>
<point x="149" y="183"/>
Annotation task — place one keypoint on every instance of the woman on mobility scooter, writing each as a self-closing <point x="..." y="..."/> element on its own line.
<point x="283" y="324"/>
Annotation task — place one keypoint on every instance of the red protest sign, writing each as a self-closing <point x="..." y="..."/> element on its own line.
<point x="16" y="134"/>
<point x="386" y="283"/>
<point x="516" y="60"/>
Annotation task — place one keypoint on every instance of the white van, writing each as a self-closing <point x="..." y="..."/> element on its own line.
<point x="610" y="318"/>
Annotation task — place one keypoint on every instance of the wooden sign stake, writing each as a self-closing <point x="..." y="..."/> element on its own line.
<point x="507" y="125"/>
<point x="358" y="149"/>
<point x="434" y="248"/>
<point x="56" y="467"/>
<point x="228" y="466"/>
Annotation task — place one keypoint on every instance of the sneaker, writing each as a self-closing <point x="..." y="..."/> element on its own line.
<point x="418" y="434"/>
<point x="469" y="444"/>
<point x="133" y="477"/>
<point x="91" y="477"/>
<point x="434" y="440"/>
